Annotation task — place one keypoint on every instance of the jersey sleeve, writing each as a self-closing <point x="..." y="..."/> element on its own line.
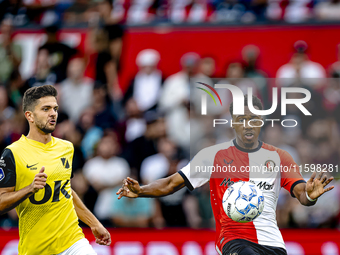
<point x="290" y="172"/>
<point x="196" y="173"/>
<point x="7" y="169"/>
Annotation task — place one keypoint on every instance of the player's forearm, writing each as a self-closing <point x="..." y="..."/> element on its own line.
<point x="10" y="200"/>
<point x="83" y="213"/>
<point x="161" y="187"/>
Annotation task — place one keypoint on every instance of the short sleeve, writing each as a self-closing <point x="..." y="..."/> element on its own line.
<point x="195" y="174"/>
<point x="7" y="169"/>
<point x="290" y="172"/>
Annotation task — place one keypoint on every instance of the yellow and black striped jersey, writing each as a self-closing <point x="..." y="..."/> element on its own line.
<point x="48" y="223"/>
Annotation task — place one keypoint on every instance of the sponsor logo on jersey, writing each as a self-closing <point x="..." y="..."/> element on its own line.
<point x="270" y="165"/>
<point x="2" y="162"/>
<point x="228" y="163"/>
<point x="31" y="167"/>
<point x="65" y="163"/>
<point x="226" y="182"/>
<point x="265" y="186"/>
<point x="2" y="174"/>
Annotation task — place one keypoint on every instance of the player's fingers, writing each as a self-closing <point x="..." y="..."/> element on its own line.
<point x="41" y="175"/>
<point x="311" y="179"/>
<point x="108" y="241"/>
<point x="40" y="178"/>
<point x="320" y="175"/>
<point x="132" y="180"/>
<point x="101" y="242"/>
<point x="42" y="170"/>
<point x="119" y="191"/>
<point x="40" y="183"/>
<point x="324" y="178"/>
<point x="328" y="189"/>
<point x="328" y="181"/>
<point x="121" y="195"/>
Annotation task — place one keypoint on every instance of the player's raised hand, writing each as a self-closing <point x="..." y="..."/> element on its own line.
<point x="315" y="186"/>
<point x="130" y="188"/>
<point x="101" y="234"/>
<point x="39" y="180"/>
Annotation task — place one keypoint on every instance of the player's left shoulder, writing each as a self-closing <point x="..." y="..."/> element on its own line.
<point x="283" y="154"/>
<point x="61" y="143"/>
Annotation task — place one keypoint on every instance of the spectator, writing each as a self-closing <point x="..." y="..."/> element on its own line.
<point x="229" y="11"/>
<point x="177" y="86"/>
<point x="157" y="166"/>
<point x="59" y="53"/>
<point x="298" y="11"/>
<point x="250" y="55"/>
<point x="75" y="92"/>
<point x="328" y="10"/>
<point x="161" y="165"/>
<point x="43" y="73"/>
<point x="207" y="68"/>
<point x="301" y="70"/>
<point x="6" y="111"/>
<point x="91" y="133"/>
<point x="10" y="53"/>
<point x="235" y="75"/>
<point x="134" y="124"/>
<point x="106" y="67"/>
<point x="147" y="84"/>
<point x="113" y="29"/>
<point x="16" y="88"/>
<point x="145" y="145"/>
<point x="133" y="213"/>
<point x="105" y="173"/>
<point x="139" y="12"/>
<point x="105" y="115"/>
<point x="77" y="13"/>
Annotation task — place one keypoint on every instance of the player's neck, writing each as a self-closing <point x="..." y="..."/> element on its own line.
<point x="243" y="146"/>
<point x="39" y="136"/>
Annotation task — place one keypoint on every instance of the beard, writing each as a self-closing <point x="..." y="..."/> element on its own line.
<point x="44" y="128"/>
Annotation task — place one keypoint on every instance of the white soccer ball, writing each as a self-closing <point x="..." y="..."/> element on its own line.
<point x="243" y="202"/>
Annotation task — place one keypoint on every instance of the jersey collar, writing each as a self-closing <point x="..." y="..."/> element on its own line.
<point x="38" y="144"/>
<point x="245" y="150"/>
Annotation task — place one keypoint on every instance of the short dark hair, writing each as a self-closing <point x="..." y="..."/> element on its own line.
<point x="256" y="102"/>
<point x="32" y="95"/>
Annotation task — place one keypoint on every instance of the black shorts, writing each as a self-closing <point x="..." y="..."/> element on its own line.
<point x="244" y="247"/>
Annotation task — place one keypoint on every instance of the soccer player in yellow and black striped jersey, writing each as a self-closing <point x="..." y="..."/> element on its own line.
<point x="35" y="174"/>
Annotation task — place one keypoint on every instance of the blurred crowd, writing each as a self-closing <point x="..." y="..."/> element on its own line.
<point x="137" y="12"/>
<point x="148" y="131"/>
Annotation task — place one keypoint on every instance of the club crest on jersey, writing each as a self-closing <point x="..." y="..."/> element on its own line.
<point x="2" y="174"/>
<point x="269" y="165"/>
<point x="65" y="163"/>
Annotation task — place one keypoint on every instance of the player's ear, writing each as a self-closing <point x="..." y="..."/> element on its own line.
<point x="29" y="116"/>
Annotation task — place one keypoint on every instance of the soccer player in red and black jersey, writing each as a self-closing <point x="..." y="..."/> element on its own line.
<point x="261" y="236"/>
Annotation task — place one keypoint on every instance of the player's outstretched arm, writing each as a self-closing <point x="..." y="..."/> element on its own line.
<point x="10" y="199"/>
<point x="158" y="188"/>
<point x="314" y="188"/>
<point x="101" y="234"/>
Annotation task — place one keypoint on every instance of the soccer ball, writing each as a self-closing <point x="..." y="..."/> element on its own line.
<point x="243" y="202"/>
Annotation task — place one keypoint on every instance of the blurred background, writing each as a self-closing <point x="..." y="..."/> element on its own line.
<point x="123" y="68"/>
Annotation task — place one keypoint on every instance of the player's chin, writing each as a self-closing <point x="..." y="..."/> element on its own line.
<point x="49" y="129"/>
